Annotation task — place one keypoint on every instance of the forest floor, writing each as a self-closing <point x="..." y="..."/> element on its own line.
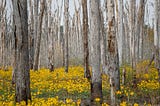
<point x="71" y="89"/>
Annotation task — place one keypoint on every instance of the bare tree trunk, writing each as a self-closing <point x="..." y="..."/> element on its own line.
<point x="126" y="49"/>
<point x="103" y="42"/>
<point x="140" y="30"/>
<point x="156" y="36"/>
<point x="22" y="74"/>
<point x="85" y="40"/>
<point x="96" y="80"/>
<point x="63" y="48"/>
<point x="66" y="32"/>
<point x="3" y="32"/>
<point x="38" y="39"/>
<point x="36" y="7"/>
<point x="14" y="52"/>
<point x="113" y="61"/>
<point x="132" y="32"/>
<point x="50" y="40"/>
<point x="120" y="32"/>
<point x="31" y="37"/>
<point x="132" y="39"/>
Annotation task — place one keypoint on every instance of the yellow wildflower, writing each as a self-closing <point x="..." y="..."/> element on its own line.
<point x="118" y="92"/>
<point x="78" y="102"/>
<point x="131" y="93"/>
<point x="69" y="100"/>
<point x="135" y="104"/>
<point x="97" y="99"/>
<point x="123" y="104"/>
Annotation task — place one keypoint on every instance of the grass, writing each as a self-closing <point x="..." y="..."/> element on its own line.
<point x="70" y="89"/>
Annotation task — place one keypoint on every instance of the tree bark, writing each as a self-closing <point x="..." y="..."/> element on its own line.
<point x="120" y="32"/>
<point x="3" y="32"/>
<point x="38" y="39"/>
<point x="103" y="42"/>
<point x="156" y="37"/>
<point x="31" y="37"/>
<point x="140" y="30"/>
<point x="132" y="32"/>
<point x="113" y="61"/>
<point x="50" y="40"/>
<point x="22" y="74"/>
<point x="85" y="40"/>
<point x="132" y="38"/>
<point x="66" y="32"/>
<point x="36" y="21"/>
<point x="96" y="80"/>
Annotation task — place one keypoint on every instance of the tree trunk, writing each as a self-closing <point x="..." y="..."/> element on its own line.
<point x="31" y="37"/>
<point x="132" y="40"/>
<point x="36" y="7"/>
<point x="102" y="42"/>
<point x="66" y="32"/>
<point x="85" y="40"/>
<point x="38" y="39"/>
<point x="140" y="30"/>
<point x="96" y="80"/>
<point x="113" y="61"/>
<point x="156" y="36"/>
<point x="3" y="31"/>
<point x="22" y="74"/>
<point x="120" y="32"/>
<point x="50" y="40"/>
<point x="126" y="49"/>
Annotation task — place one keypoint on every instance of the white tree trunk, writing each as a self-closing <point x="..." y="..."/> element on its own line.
<point x="157" y="36"/>
<point x="96" y="80"/>
<point x="50" y="40"/>
<point x="120" y="32"/>
<point x="140" y="30"/>
<point x="132" y="32"/>
<point x="66" y="33"/>
<point x="103" y="42"/>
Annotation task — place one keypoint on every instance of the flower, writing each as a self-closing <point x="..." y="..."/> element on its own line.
<point x="97" y="99"/>
<point x="123" y="103"/>
<point x="131" y="93"/>
<point x="118" y="92"/>
<point x="78" y="102"/>
<point x="69" y="100"/>
<point x="135" y="104"/>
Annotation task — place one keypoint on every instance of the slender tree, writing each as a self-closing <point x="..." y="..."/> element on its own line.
<point x="3" y="32"/>
<point x="36" y="21"/>
<point x="85" y="40"/>
<point x="156" y="36"/>
<point x="103" y="42"/>
<point x="120" y="32"/>
<point x="140" y="30"/>
<point x="113" y="61"/>
<point x="50" y="39"/>
<point x="132" y="37"/>
<point x="22" y="74"/>
<point x="96" y="80"/>
<point x="31" y="37"/>
<point x="132" y="32"/>
<point x="38" y="38"/>
<point x="66" y="32"/>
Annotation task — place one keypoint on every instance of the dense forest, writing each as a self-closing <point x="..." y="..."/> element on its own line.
<point x="80" y="52"/>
